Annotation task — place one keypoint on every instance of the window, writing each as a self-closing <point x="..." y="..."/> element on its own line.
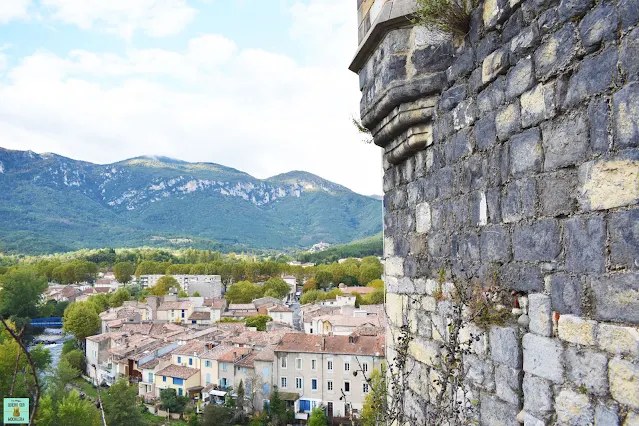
<point x="150" y="376"/>
<point x="298" y="383"/>
<point x="180" y="392"/>
<point x="284" y="362"/>
<point x="298" y="363"/>
<point x="314" y="384"/>
<point x="365" y="367"/>
<point x="179" y="360"/>
<point x="365" y="387"/>
<point x="305" y="405"/>
<point x="182" y="313"/>
<point x="190" y="361"/>
<point x="207" y="363"/>
<point x="347" y="386"/>
<point x="329" y="365"/>
<point x="265" y="371"/>
<point x="223" y="366"/>
<point x="313" y="364"/>
<point x="164" y="378"/>
<point x="208" y="378"/>
<point x="224" y="382"/>
<point x="248" y="387"/>
<point x="329" y="385"/>
<point x="347" y="366"/>
<point x="178" y="381"/>
<point x="283" y="380"/>
<point x="265" y="388"/>
<point x="193" y="322"/>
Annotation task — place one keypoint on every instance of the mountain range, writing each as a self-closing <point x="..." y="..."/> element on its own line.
<point x="50" y="203"/>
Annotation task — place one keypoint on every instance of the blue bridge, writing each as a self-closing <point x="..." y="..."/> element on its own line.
<point x="47" y="322"/>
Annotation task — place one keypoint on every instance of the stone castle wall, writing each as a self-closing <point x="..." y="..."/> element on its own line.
<point x="515" y="154"/>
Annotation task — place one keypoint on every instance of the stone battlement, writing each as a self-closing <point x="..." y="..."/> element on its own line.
<point x="514" y="154"/>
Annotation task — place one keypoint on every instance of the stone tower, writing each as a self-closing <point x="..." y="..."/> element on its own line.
<point x="511" y="160"/>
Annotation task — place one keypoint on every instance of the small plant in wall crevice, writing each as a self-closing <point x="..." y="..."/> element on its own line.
<point x="445" y="16"/>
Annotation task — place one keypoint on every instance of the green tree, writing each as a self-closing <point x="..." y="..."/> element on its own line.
<point x="21" y="290"/>
<point x="217" y="415"/>
<point x="74" y="411"/>
<point x="370" y="269"/>
<point x="376" y="297"/>
<point x="309" y="285"/>
<point x="76" y="359"/>
<point x="243" y="292"/>
<point x="323" y="279"/>
<point x="69" y="345"/>
<point x="46" y="412"/>
<point x="81" y="320"/>
<point x="278" y="414"/>
<point x="376" y="284"/>
<point x="119" y="297"/>
<point x="240" y="415"/>
<point x="120" y="405"/>
<point x="100" y="302"/>
<point x="182" y="293"/>
<point x="277" y="285"/>
<point x="64" y="374"/>
<point x="258" y="321"/>
<point x="196" y="294"/>
<point x="123" y="272"/>
<point x="375" y="402"/>
<point x="162" y="286"/>
<point x="171" y="401"/>
<point x="318" y="418"/>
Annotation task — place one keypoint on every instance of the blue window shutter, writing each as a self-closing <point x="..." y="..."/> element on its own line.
<point x="190" y="361"/>
<point x="180" y="391"/>
<point x="164" y="378"/>
<point x="265" y="371"/>
<point x="179" y="359"/>
<point x="265" y="388"/>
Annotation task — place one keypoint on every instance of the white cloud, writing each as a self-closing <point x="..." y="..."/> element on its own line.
<point x="13" y="9"/>
<point x="156" y="18"/>
<point x="260" y="112"/>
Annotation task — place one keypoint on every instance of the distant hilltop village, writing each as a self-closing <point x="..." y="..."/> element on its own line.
<point x="321" y="246"/>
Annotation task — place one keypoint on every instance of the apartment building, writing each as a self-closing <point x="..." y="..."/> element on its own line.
<point x="320" y="368"/>
<point x="209" y="286"/>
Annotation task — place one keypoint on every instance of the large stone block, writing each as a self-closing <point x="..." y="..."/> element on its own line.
<point x="394" y="69"/>
<point x="598" y="114"/>
<point x="616" y="297"/>
<point x="566" y="294"/>
<point x="626" y="116"/>
<point x="479" y="372"/>
<point x="587" y="368"/>
<point x="585" y="242"/>
<point x="610" y="183"/>
<point x="573" y="408"/>
<point x="558" y="193"/>
<point x="572" y="8"/>
<point x="464" y="114"/>
<point x="518" y="200"/>
<point x="623" y="229"/>
<point x="524" y="42"/>
<point x="556" y="53"/>
<point x="543" y="357"/>
<point x="526" y="154"/>
<point x="495" y="244"/>
<point x="485" y="131"/>
<point x="508" y="383"/>
<point x="520" y="78"/>
<point x="565" y="141"/>
<point x="494" y="64"/>
<point x="508" y="121"/>
<point x="618" y="340"/>
<point x="595" y="75"/>
<point x="538" y="395"/>
<point x="522" y="276"/>
<point x="606" y="415"/>
<point x="538" y="104"/>
<point x="495" y="12"/>
<point x="539" y="241"/>
<point x="432" y="59"/>
<point x="497" y="413"/>
<point x="598" y="26"/>
<point x="624" y="382"/>
<point x="577" y="330"/>
<point x="628" y="55"/>
<point x="425" y="352"/>
<point x="422" y="218"/>
<point x="504" y="346"/>
<point x="394" y="266"/>
<point x="492" y="97"/>
<point x="452" y="97"/>
<point x="540" y="314"/>
<point x="628" y="12"/>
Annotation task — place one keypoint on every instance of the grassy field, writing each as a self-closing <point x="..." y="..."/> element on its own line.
<point x="157" y="421"/>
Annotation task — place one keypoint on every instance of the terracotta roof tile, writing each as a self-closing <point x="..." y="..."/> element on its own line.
<point x="310" y="343"/>
<point x="178" y="371"/>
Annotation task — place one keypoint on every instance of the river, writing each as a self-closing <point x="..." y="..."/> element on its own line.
<point x="53" y="338"/>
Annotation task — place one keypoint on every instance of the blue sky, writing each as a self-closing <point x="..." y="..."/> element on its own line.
<point x="259" y="85"/>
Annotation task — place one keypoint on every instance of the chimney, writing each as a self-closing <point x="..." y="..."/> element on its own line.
<point x="323" y="343"/>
